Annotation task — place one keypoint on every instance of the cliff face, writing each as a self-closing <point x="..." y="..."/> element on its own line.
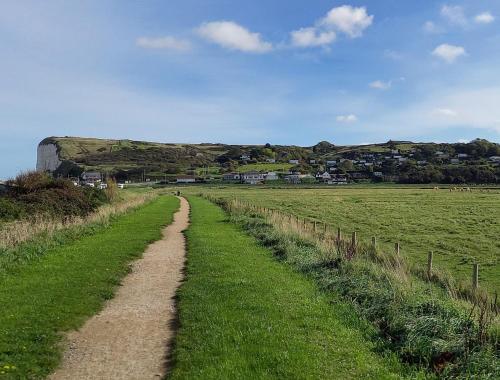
<point x="47" y="157"/>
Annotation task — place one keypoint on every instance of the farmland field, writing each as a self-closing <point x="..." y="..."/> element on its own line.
<point x="461" y="228"/>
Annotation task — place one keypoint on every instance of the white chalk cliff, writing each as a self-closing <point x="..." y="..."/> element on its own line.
<point x="47" y="157"/>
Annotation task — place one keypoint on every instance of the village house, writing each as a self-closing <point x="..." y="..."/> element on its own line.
<point x="231" y="177"/>
<point x="294" y="162"/>
<point x="338" y="179"/>
<point x="253" y="177"/>
<point x="245" y="157"/>
<point x="312" y="161"/>
<point x="423" y="162"/>
<point x="331" y="162"/>
<point x="272" y="176"/>
<point x="91" y="177"/>
<point x="378" y="174"/>
<point x="185" y="179"/>
<point x="323" y="177"/>
<point x="462" y="155"/>
<point x="271" y="160"/>
<point x="455" y="161"/>
<point x="495" y="159"/>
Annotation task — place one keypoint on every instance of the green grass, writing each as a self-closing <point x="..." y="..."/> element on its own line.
<point x="243" y="315"/>
<point x="67" y="285"/>
<point x="265" y="167"/>
<point x="460" y="227"/>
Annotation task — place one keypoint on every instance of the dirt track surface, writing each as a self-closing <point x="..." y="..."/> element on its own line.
<point x="129" y="338"/>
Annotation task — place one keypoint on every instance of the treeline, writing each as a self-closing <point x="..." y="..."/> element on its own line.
<point x="449" y="174"/>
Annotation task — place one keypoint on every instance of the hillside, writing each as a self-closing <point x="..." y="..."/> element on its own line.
<point x="402" y="161"/>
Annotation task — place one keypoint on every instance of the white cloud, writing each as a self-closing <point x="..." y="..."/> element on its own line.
<point x="392" y="54"/>
<point x="448" y="53"/>
<point x="167" y="42"/>
<point x="484" y="18"/>
<point x="381" y="85"/>
<point x="447" y="112"/>
<point x="231" y="35"/>
<point x="454" y="14"/>
<point x="307" y="37"/>
<point x="347" y="118"/>
<point x="431" y="28"/>
<point x="347" y="19"/>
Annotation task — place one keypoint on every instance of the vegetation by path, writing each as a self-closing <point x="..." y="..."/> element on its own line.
<point x="460" y="227"/>
<point x="244" y="315"/>
<point x="67" y="285"/>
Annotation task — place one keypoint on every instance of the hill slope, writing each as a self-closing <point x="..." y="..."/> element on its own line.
<point x="400" y="160"/>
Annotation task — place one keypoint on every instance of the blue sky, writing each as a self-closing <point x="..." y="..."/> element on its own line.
<point x="284" y="72"/>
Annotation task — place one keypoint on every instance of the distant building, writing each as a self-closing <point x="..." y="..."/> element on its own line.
<point x="294" y="162"/>
<point x="455" y="161"/>
<point x="338" y="179"/>
<point x="423" y="162"/>
<point x="331" y="162"/>
<point x="91" y="177"/>
<point x="293" y="178"/>
<point x="323" y="177"/>
<point x="378" y="174"/>
<point x="231" y="177"/>
<point x="312" y="161"/>
<point x="271" y="160"/>
<point x="462" y="155"/>
<point x="252" y="177"/>
<point x="186" y="179"/>
<point x="272" y="176"/>
<point x="245" y="157"/>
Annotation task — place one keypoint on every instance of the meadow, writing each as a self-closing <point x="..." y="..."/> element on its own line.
<point x="461" y="228"/>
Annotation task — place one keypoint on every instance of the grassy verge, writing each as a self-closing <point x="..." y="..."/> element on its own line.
<point x="67" y="285"/>
<point x="416" y="318"/>
<point x="246" y="316"/>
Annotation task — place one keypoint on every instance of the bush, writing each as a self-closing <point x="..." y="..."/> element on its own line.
<point x="10" y="210"/>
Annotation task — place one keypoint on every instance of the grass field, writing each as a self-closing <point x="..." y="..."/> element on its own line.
<point x="264" y="167"/>
<point x="243" y="315"/>
<point x="461" y="228"/>
<point x="58" y="292"/>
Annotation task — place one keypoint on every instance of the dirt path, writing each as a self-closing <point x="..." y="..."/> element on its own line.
<point x="129" y="338"/>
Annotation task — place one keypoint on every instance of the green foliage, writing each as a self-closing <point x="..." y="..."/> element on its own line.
<point x="35" y="193"/>
<point x="68" y="284"/>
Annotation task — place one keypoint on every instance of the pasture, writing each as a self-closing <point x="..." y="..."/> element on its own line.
<point x="461" y="228"/>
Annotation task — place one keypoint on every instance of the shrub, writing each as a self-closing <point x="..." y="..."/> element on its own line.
<point x="10" y="210"/>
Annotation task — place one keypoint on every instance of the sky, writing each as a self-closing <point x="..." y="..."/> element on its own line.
<point x="247" y="72"/>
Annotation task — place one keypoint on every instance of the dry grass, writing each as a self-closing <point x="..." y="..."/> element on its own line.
<point x="14" y="233"/>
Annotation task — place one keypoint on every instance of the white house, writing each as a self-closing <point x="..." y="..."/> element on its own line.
<point x="271" y="176"/>
<point x="271" y="160"/>
<point x="245" y="157"/>
<point x="295" y="162"/>
<point x="331" y="162"/>
<point x="462" y="155"/>
<point x="339" y="179"/>
<point x="455" y="161"/>
<point x="378" y="174"/>
<point x="293" y="178"/>
<point x="91" y="177"/>
<point x="252" y="177"/>
<point x="324" y="177"/>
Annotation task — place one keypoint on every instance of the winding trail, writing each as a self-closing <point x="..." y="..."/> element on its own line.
<point x="129" y="338"/>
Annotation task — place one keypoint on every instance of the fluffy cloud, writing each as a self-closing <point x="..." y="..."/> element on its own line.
<point x="167" y="42"/>
<point x="307" y="37"/>
<point x="380" y="85"/>
<point x="231" y="35"/>
<point x="347" y="118"/>
<point x="484" y="18"/>
<point x="454" y="14"/>
<point x="347" y="19"/>
<point x="449" y="53"/>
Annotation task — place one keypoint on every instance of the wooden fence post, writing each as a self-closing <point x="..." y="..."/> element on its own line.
<point x="315" y="227"/>
<point x="397" y="248"/>
<point x="374" y="242"/>
<point x="324" y="229"/>
<point x="475" y="276"/>
<point x="354" y="239"/>
<point x="339" y="234"/>
<point x="429" y="264"/>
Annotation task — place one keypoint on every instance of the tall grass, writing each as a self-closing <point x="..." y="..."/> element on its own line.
<point x="430" y="321"/>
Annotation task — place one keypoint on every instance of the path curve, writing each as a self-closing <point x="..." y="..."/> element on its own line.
<point x="129" y="338"/>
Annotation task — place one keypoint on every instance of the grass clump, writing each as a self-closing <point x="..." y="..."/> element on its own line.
<point x="68" y="284"/>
